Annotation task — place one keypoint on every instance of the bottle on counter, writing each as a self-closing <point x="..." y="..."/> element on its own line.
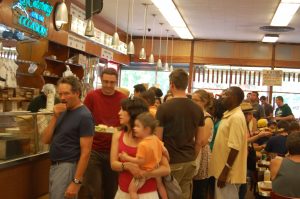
<point x="267" y="175"/>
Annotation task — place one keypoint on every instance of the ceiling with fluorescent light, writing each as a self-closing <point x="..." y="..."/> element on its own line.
<point x="207" y="19"/>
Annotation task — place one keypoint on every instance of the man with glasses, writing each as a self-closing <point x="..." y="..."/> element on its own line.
<point x="100" y="182"/>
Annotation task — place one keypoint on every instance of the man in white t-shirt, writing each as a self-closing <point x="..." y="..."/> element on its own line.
<point x="229" y="156"/>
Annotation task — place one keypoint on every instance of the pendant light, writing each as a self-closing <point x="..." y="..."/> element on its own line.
<point x="89" y="29"/>
<point x="159" y="64"/>
<point x="130" y="47"/>
<point x="166" y="67"/>
<point x="115" y="39"/>
<point x="61" y="14"/>
<point x="143" y="51"/>
<point x="172" y="52"/>
<point x="151" y="57"/>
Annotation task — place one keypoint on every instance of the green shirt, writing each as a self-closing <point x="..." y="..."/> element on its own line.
<point x="283" y="111"/>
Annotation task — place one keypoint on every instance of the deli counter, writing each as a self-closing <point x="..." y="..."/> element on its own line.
<point x="24" y="160"/>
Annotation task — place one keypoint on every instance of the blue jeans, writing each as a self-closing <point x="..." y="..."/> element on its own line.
<point x="99" y="181"/>
<point x="60" y="177"/>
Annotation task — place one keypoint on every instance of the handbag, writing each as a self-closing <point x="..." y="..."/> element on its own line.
<point x="172" y="187"/>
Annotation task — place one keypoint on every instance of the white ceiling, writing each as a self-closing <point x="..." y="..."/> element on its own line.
<point x="207" y="19"/>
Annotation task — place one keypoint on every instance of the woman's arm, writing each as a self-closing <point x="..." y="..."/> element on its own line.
<point x="274" y="166"/>
<point x="115" y="164"/>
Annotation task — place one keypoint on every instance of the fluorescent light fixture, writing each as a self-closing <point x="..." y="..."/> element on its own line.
<point x="168" y="9"/>
<point x="270" y="38"/>
<point x="285" y="12"/>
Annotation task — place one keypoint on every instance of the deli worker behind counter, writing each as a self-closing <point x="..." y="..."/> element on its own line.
<point x="105" y="103"/>
<point x="40" y="101"/>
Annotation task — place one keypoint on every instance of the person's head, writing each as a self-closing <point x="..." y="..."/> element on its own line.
<point x="263" y="99"/>
<point x="168" y="96"/>
<point x="157" y="101"/>
<point x="248" y="110"/>
<point x="294" y="126"/>
<point x="109" y="80"/>
<point x="248" y="97"/>
<point x="232" y="97"/>
<point x="138" y="89"/>
<point x="149" y="96"/>
<point x="254" y="96"/>
<point x="219" y="109"/>
<point x="203" y="99"/>
<point x="156" y="91"/>
<point x="178" y="79"/>
<point x="272" y="125"/>
<point x="293" y="143"/>
<point x="69" y="91"/>
<point x="282" y="124"/>
<point x="144" y="125"/>
<point x="279" y="101"/>
<point x="130" y="109"/>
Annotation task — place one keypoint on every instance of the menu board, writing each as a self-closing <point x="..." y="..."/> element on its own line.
<point x="272" y="77"/>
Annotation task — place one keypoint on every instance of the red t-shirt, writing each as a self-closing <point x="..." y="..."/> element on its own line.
<point x="105" y="109"/>
<point x="125" y="177"/>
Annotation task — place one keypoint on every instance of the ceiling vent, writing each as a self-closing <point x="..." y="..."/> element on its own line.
<point x="276" y="28"/>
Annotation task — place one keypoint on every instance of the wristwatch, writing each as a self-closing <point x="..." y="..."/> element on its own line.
<point x="76" y="181"/>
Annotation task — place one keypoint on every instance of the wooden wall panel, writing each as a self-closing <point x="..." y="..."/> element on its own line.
<point x="287" y="52"/>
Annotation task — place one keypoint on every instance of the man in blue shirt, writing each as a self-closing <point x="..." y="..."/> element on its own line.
<point x="70" y="133"/>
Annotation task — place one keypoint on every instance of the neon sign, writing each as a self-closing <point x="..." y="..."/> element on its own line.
<point x="32" y="13"/>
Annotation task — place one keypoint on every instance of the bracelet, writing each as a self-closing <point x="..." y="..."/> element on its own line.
<point x="122" y="166"/>
<point x="228" y="166"/>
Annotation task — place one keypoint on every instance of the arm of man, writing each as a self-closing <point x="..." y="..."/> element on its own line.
<point x="48" y="132"/>
<point x="85" y="150"/>
<point x="286" y="118"/>
<point x="224" y="174"/>
<point x="274" y="166"/>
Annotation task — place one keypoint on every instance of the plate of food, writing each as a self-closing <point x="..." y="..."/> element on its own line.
<point x="102" y="128"/>
<point x="265" y="185"/>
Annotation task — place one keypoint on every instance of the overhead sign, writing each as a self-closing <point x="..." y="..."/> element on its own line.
<point x="272" y="77"/>
<point x="75" y="42"/>
<point x="31" y="14"/>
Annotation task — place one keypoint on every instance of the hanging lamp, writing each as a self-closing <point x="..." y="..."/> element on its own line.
<point x="151" y="57"/>
<point x="143" y="51"/>
<point x="115" y="39"/>
<point x="130" y="47"/>
<point x="90" y="29"/>
<point x="61" y="15"/>
<point x="172" y="52"/>
<point x="159" y="63"/>
<point x="166" y="66"/>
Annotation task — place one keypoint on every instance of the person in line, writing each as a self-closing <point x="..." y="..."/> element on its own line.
<point x="258" y="109"/>
<point x="285" y="173"/>
<point x="149" y="153"/>
<point x="149" y="96"/>
<point x="180" y="127"/>
<point x="40" y="101"/>
<point x="126" y="141"/>
<point x="267" y="107"/>
<point x="201" y="180"/>
<point x="228" y="162"/>
<point x="100" y="182"/>
<point x="283" y="111"/>
<point x="70" y="141"/>
<point x="139" y="89"/>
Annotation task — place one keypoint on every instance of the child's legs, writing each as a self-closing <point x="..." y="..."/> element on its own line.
<point x="161" y="188"/>
<point x="134" y="186"/>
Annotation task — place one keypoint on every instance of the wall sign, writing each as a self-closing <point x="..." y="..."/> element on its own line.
<point x="75" y="42"/>
<point x="31" y="14"/>
<point x="272" y="77"/>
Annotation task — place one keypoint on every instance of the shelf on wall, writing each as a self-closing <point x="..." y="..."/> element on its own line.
<point x="52" y="77"/>
<point x="62" y="62"/>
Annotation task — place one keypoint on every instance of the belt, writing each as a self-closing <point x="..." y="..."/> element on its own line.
<point x="60" y="162"/>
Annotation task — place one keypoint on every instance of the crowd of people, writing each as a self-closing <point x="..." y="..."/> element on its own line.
<point x="209" y="145"/>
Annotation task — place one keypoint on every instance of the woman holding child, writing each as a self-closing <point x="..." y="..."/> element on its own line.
<point x="125" y="141"/>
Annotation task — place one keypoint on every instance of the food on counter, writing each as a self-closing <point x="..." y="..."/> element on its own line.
<point x="102" y="128"/>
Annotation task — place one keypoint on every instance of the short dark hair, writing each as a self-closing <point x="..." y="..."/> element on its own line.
<point x="179" y="77"/>
<point x="279" y="98"/>
<point x="293" y="143"/>
<point x="149" y="96"/>
<point x="134" y="106"/>
<point x="262" y="98"/>
<point x="238" y="93"/>
<point x="109" y="71"/>
<point x="139" y="88"/>
<point x="148" y="120"/>
<point x="294" y="126"/>
<point x="73" y="82"/>
<point x="255" y="93"/>
<point x="282" y="124"/>
<point x="157" y="91"/>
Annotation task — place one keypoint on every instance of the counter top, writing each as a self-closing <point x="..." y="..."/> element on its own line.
<point x="16" y="161"/>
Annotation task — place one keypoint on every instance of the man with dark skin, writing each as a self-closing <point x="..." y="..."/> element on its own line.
<point x="229" y="157"/>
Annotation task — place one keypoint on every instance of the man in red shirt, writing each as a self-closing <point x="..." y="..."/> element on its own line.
<point x="100" y="182"/>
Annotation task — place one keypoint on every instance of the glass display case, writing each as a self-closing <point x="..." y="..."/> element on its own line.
<point x="20" y="135"/>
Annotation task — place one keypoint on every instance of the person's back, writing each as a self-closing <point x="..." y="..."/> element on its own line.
<point x="287" y="179"/>
<point x="180" y="118"/>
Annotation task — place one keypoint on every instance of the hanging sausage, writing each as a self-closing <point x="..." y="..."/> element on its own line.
<point x="207" y="76"/>
<point x="245" y="77"/>
<point x="294" y="77"/>
<point x="258" y="78"/>
<point x="254" y="77"/>
<point x="249" y="80"/>
<point x="212" y="75"/>
<point x="230" y="77"/>
<point x="226" y="76"/>
<point x="222" y="72"/>
<point x="199" y="74"/>
<point x="240" y="77"/>
<point x="217" y="76"/>
<point x="203" y="72"/>
<point x="235" y="80"/>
